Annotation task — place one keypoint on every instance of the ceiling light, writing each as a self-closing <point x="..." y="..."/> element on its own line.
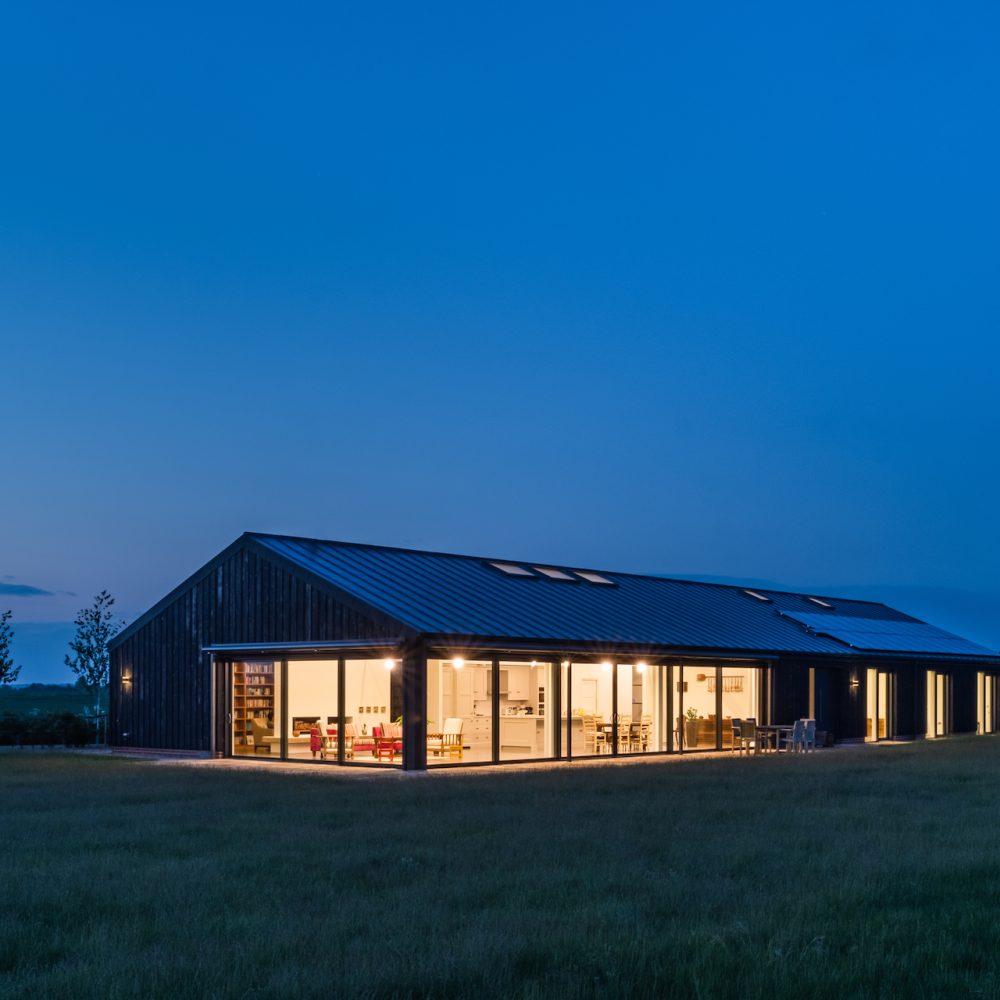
<point x="458" y="663"/>
<point x="388" y="664"/>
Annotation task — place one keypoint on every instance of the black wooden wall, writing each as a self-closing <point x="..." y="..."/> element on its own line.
<point x="246" y="597"/>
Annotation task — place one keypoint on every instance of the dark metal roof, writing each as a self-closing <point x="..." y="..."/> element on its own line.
<point x="442" y="594"/>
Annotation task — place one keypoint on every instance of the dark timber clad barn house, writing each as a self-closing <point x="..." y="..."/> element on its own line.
<point x="333" y="652"/>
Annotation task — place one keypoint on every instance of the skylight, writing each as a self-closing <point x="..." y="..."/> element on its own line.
<point x="821" y="603"/>
<point x="512" y="569"/>
<point x="594" y="577"/>
<point x="553" y="574"/>
<point x="756" y="596"/>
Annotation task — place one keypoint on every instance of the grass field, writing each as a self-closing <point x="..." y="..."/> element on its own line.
<point x="866" y="872"/>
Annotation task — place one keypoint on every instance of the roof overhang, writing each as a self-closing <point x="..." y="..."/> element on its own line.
<point x="339" y="645"/>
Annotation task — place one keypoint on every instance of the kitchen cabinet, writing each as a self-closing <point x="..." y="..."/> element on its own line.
<point x="477" y="731"/>
<point x="521" y="732"/>
<point x="518" y="684"/>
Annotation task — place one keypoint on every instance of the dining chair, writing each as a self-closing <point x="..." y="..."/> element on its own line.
<point x="645" y="732"/>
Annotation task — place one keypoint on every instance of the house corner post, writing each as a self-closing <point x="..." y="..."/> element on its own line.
<point x="414" y="678"/>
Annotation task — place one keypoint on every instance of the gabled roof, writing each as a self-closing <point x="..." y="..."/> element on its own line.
<point x="442" y="594"/>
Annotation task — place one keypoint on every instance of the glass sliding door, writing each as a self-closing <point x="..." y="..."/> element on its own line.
<point x="373" y="712"/>
<point x="460" y="711"/>
<point x="879" y="691"/>
<point x="741" y="701"/>
<point x="591" y="715"/>
<point x="986" y="685"/>
<point x="255" y="708"/>
<point x="939" y="690"/>
<point x="526" y="729"/>
<point x="643" y="717"/>
<point x="700" y="709"/>
<point x="312" y="711"/>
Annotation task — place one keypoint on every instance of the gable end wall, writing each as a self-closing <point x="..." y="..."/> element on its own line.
<point x="246" y="598"/>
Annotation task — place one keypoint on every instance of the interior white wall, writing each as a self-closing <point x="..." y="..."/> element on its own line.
<point x="366" y="693"/>
<point x="312" y="688"/>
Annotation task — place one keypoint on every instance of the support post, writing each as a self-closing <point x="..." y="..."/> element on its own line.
<point x="414" y="679"/>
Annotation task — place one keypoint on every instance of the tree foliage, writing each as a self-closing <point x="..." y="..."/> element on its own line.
<point x="8" y="672"/>
<point x="95" y="627"/>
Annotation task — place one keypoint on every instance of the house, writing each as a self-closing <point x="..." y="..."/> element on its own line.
<point x="340" y="653"/>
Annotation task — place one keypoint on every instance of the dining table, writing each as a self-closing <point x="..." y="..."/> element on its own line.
<point x="772" y="735"/>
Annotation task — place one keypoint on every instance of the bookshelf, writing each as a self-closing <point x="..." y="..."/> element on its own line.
<point x="253" y="698"/>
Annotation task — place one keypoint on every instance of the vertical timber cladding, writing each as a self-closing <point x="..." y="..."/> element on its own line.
<point x="240" y="597"/>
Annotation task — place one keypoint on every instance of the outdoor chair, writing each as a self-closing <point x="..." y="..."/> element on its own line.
<point x="795" y="740"/>
<point x="809" y="735"/>
<point x="748" y="736"/>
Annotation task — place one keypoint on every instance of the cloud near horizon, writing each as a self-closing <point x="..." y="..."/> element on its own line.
<point x="23" y="590"/>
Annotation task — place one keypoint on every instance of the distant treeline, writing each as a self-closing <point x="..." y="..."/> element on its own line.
<point x="29" y="699"/>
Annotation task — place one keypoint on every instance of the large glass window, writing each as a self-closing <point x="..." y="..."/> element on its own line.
<point x="460" y="711"/>
<point x="373" y="712"/>
<point x="312" y="711"/>
<point x="255" y="708"/>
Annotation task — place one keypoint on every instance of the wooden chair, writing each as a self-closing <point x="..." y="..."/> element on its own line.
<point x="449" y="742"/>
<point x="625" y="741"/>
<point x="645" y="732"/>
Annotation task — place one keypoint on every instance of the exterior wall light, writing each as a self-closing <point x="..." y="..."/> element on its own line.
<point x="605" y="666"/>
<point x="388" y="664"/>
<point x="458" y="662"/>
<point x="126" y="678"/>
<point x="641" y="667"/>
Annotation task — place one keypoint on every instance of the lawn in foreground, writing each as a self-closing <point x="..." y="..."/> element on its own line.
<point x="870" y="872"/>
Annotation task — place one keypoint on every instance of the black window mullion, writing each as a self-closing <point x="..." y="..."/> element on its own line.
<point x="718" y="708"/>
<point x="495" y="712"/>
<point x="283" y="721"/>
<point x="341" y="714"/>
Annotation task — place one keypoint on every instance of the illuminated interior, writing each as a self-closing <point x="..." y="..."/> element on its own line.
<point x="540" y="709"/>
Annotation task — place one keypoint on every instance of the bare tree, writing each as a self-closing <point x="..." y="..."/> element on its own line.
<point x="91" y="662"/>
<point x="8" y="672"/>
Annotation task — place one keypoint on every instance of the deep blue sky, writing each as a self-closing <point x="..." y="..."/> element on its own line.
<point x="697" y="291"/>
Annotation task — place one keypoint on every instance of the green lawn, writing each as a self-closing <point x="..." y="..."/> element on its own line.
<point x="868" y="872"/>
